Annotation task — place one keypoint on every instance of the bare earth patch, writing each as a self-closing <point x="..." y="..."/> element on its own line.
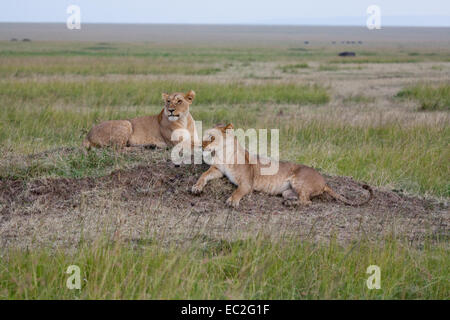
<point x="153" y="201"/>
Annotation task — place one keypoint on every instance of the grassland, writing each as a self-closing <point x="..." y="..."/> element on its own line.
<point x="142" y="93"/>
<point x="249" y="269"/>
<point x="429" y="97"/>
<point x="381" y="118"/>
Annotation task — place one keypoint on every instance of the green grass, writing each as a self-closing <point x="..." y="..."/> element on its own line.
<point x="176" y="53"/>
<point x="429" y="97"/>
<point x="383" y="155"/>
<point x="21" y="67"/>
<point x="141" y="93"/>
<point x="358" y="99"/>
<point x="200" y="54"/>
<point x="324" y="67"/>
<point x="211" y="269"/>
<point x="437" y="67"/>
<point x="69" y="164"/>
<point x="293" y="68"/>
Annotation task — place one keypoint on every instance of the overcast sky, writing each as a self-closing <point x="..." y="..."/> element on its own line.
<point x="329" y="12"/>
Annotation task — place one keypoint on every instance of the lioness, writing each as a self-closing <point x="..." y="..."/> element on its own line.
<point x="293" y="181"/>
<point x="153" y="130"/>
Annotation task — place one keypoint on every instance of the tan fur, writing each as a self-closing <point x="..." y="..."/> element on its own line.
<point x="295" y="182"/>
<point x="153" y="130"/>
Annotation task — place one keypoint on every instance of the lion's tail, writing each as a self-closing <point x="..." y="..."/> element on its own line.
<point x="341" y="198"/>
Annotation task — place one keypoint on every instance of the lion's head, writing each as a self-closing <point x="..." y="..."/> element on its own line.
<point x="176" y="105"/>
<point x="215" y="142"/>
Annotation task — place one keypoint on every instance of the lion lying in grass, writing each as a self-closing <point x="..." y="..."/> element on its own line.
<point x="153" y="130"/>
<point x="295" y="182"/>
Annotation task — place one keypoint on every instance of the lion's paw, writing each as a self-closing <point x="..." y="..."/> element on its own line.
<point x="196" y="189"/>
<point x="232" y="203"/>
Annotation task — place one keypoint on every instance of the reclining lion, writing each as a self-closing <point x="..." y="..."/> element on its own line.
<point x="155" y="130"/>
<point x="295" y="182"/>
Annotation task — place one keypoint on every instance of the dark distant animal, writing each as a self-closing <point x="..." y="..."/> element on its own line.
<point x="360" y="42"/>
<point x="26" y="40"/>
<point x="306" y="42"/>
<point x="13" y="39"/>
<point x="347" y="54"/>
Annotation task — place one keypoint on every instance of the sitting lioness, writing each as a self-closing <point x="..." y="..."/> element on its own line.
<point x="295" y="182"/>
<point x="153" y="130"/>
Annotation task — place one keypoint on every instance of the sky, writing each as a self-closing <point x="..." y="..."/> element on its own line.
<point x="291" y="12"/>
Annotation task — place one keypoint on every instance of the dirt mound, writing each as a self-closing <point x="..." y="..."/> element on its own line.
<point x="155" y="200"/>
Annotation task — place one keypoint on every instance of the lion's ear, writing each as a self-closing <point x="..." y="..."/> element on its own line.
<point x="164" y="96"/>
<point x="229" y="126"/>
<point x="190" y="96"/>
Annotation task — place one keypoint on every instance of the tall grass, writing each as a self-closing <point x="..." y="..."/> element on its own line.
<point x="213" y="269"/>
<point x="139" y="93"/>
<point x="99" y="66"/>
<point x="293" y="68"/>
<point x="429" y="97"/>
<point x="384" y="155"/>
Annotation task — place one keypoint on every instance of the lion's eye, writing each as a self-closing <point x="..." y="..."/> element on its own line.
<point x="168" y="101"/>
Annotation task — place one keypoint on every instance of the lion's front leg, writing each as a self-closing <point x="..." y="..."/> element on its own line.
<point x="210" y="174"/>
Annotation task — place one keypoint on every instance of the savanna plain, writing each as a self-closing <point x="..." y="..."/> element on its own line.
<point x="128" y="219"/>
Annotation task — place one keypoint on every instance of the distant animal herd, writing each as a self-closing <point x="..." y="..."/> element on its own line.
<point x="24" y="40"/>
